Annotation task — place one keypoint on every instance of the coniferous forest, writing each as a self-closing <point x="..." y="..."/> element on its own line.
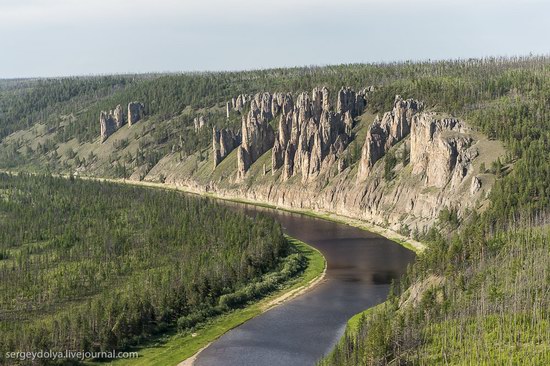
<point x="99" y="266"/>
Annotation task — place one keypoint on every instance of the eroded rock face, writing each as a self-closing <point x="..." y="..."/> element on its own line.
<point x="309" y="134"/>
<point x="373" y="149"/>
<point x="118" y="116"/>
<point x="136" y="111"/>
<point x="386" y="132"/>
<point x="440" y="150"/>
<point x="310" y="149"/>
<point x="223" y="142"/>
<point x="346" y="101"/>
<point x="227" y="109"/>
<point x="110" y="121"/>
<point x="240" y="102"/>
<point x="107" y="125"/>
<point x="257" y="134"/>
<point x="199" y="123"/>
<point x="282" y="141"/>
<point x="475" y="186"/>
<point x="309" y="131"/>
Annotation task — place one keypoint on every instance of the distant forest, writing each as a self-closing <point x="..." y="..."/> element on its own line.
<point x="99" y="266"/>
<point x="486" y="272"/>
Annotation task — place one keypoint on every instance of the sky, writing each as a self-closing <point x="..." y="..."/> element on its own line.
<point x="82" y="37"/>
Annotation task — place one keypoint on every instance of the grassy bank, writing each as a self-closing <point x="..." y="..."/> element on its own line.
<point x="173" y="347"/>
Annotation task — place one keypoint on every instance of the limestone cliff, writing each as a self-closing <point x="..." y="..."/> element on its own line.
<point x="386" y="132"/>
<point x="199" y="123"/>
<point x="257" y="134"/>
<point x="136" y="111"/>
<point x="118" y="116"/>
<point x="441" y="150"/>
<point x="110" y="121"/>
<point x="312" y="166"/>
<point x="107" y="125"/>
<point x="310" y="133"/>
<point x="223" y="142"/>
<point x="114" y="119"/>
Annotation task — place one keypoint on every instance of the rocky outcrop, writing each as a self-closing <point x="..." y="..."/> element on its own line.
<point x="110" y="121"/>
<point x="349" y="101"/>
<point x="281" y="103"/>
<point x="386" y="132"/>
<point x="313" y="168"/>
<point x="238" y="103"/>
<point x="228" y="108"/>
<point x="309" y="134"/>
<point x="136" y="111"/>
<point x="282" y="141"/>
<point x="199" y="123"/>
<point x="223" y="142"/>
<point x="118" y="116"/>
<point x="475" y="186"/>
<point x="440" y="150"/>
<point x="257" y="134"/>
<point x="107" y="125"/>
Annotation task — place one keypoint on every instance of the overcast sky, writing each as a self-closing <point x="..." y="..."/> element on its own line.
<point x="76" y="37"/>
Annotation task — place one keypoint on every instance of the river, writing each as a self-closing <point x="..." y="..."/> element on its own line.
<point x="360" y="268"/>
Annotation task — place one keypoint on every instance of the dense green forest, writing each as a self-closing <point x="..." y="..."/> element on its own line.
<point x="98" y="266"/>
<point x="485" y="284"/>
<point x="484" y="278"/>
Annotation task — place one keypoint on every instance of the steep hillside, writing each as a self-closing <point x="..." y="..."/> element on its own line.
<point x="453" y="153"/>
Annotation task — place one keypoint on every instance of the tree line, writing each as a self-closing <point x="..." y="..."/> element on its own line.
<point x="98" y="266"/>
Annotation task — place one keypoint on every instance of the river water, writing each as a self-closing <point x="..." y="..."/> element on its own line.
<point x="360" y="268"/>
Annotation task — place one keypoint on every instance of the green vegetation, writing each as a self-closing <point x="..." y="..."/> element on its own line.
<point x="172" y="348"/>
<point x="99" y="266"/>
<point x="481" y="91"/>
<point x="490" y="301"/>
<point x="492" y="311"/>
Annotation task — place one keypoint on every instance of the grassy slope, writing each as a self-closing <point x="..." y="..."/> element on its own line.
<point x="174" y="348"/>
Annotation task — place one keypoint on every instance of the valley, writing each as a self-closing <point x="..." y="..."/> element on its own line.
<point x="449" y="156"/>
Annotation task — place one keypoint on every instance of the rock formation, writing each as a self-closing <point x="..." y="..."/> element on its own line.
<point x="346" y="101"/>
<point x="110" y="121"/>
<point x="312" y="145"/>
<point x="239" y="102"/>
<point x="310" y="132"/>
<point x="475" y="186"/>
<point x="223" y="142"/>
<point x="107" y="125"/>
<point x="199" y="123"/>
<point x="118" y="116"/>
<point x="386" y="132"/>
<point x="349" y="101"/>
<point x="257" y="134"/>
<point x="440" y="150"/>
<point x="136" y="111"/>
<point x="228" y="108"/>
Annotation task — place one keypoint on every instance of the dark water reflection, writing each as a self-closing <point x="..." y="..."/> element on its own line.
<point x="361" y="265"/>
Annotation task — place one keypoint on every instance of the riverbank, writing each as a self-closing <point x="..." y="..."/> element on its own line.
<point x="407" y="242"/>
<point x="175" y="347"/>
<point x="402" y="240"/>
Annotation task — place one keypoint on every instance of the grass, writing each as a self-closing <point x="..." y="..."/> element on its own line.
<point x="172" y="348"/>
<point x="353" y="322"/>
<point x="490" y="340"/>
<point x="352" y="327"/>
